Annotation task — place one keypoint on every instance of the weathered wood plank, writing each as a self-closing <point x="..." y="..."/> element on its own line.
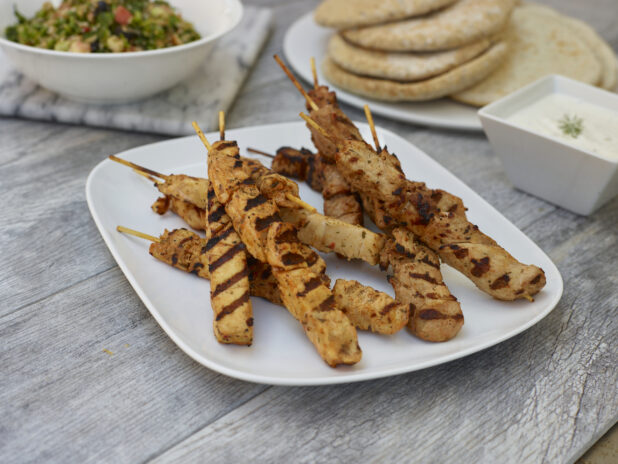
<point x="49" y="240"/>
<point x="66" y="400"/>
<point x="542" y="396"/>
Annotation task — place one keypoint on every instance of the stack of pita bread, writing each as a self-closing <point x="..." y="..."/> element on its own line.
<point x="475" y="51"/>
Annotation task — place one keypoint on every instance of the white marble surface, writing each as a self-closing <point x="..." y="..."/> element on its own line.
<point x="201" y="97"/>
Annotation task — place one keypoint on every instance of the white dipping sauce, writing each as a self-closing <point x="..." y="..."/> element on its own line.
<point x="599" y="127"/>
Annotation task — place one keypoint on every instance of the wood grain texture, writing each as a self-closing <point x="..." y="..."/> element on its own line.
<point x="543" y="396"/>
<point x="65" y="399"/>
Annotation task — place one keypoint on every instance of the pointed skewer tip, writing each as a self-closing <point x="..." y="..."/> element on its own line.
<point x="314" y="72"/>
<point x="372" y="126"/>
<point x="297" y="84"/>
<point x="137" y="233"/>
<point x="221" y="125"/>
<point x="201" y="135"/>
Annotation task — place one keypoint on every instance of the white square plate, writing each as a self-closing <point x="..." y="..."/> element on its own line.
<point x="281" y="354"/>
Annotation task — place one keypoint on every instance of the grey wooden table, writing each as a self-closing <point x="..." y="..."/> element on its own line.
<point x="544" y="396"/>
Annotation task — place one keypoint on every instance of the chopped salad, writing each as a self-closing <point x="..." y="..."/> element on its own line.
<point x="90" y="26"/>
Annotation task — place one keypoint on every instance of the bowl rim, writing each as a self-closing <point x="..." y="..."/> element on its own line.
<point x="488" y="111"/>
<point x="238" y="10"/>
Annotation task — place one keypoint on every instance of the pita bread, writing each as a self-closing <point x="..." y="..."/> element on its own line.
<point x="460" y="77"/>
<point x="343" y="14"/>
<point x="541" y="45"/>
<point x="465" y="22"/>
<point x="602" y="51"/>
<point x="400" y="66"/>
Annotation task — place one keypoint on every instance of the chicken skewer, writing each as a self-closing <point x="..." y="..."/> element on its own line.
<point x="184" y="250"/>
<point x="458" y="242"/>
<point x="322" y="232"/>
<point x="435" y="314"/>
<point x="298" y="164"/>
<point x="339" y="200"/>
<point x="229" y="273"/>
<point x="268" y="239"/>
<point x="434" y="294"/>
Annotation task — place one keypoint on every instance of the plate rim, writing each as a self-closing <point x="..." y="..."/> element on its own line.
<point x="358" y="101"/>
<point x="320" y="380"/>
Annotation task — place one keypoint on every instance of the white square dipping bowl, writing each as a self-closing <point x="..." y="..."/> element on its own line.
<point x="570" y="177"/>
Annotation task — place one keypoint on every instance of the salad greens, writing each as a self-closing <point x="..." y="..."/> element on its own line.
<point x="90" y="26"/>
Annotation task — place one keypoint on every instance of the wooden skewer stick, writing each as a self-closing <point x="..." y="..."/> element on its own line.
<point x="136" y="233"/>
<point x="148" y="176"/>
<point x="314" y="72"/>
<point x="300" y="202"/>
<point x="221" y="125"/>
<point x="260" y="152"/>
<point x="372" y="126"/>
<point x="201" y="135"/>
<point x="296" y="83"/>
<point x="317" y="127"/>
<point x="137" y="167"/>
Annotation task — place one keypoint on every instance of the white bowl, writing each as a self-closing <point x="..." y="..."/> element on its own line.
<point x="572" y="178"/>
<point x="120" y="77"/>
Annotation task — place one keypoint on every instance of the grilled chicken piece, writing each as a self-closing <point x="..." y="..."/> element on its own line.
<point x="191" y="189"/>
<point x="185" y="250"/>
<point x="328" y="234"/>
<point x="291" y="162"/>
<point x="458" y="242"/>
<point x="268" y="239"/>
<point x="435" y="314"/>
<point x="192" y="215"/>
<point x="339" y="200"/>
<point x="299" y="164"/>
<point x="369" y="309"/>
<point x="229" y="277"/>
<point x="325" y="233"/>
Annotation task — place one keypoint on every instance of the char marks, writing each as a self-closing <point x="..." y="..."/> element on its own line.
<point x="230" y="282"/>
<point x="229" y="309"/>
<point x="225" y="257"/>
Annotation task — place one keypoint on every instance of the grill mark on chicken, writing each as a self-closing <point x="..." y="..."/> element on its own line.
<point x="425" y="276"/>
<point x="404" y="252"/>
<point x="431" y="263"/>
<point x="500" y="282"/>
<point x="432" y="314"/>
<point x="263" y="223"/>
<point x="289" y="236"/>
<point x="289" y="259"/>
<point x="196" y="268"/>
<point x="460" y="253"/>
<point x="216" y="214"/>
<point x="386" y="309"/>
<point x="230" y="282"/>
<point x="481" y="266"/>
<point x="229" y="309"/>
<point x="313" y="283"/>
<point x="217" y="238"/>
<point x="225" y="257"/>
<point x="255" y="202"/>
<point x="328" y="304"/>
<point x="226" y="144"/>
